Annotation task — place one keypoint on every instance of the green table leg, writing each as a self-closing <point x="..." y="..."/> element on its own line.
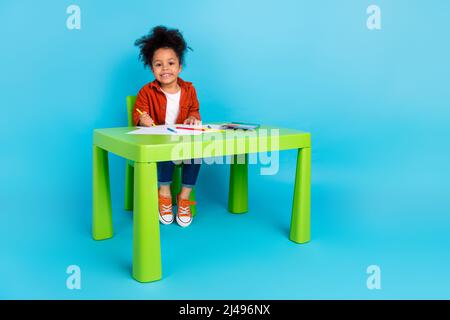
<point x="238" y="192"/>
<point x="301" y="206"/>
<point x="102" y="227"/>
<point x="146" y="241"/>
<point x="129" y="186"/>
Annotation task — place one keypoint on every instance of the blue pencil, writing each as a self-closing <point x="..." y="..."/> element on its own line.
<point x="173" y="130"/>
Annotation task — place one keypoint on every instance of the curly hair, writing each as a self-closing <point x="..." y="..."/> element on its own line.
<point x="161" y="37"/>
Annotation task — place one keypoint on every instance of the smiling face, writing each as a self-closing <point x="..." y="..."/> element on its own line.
<point x="166" y="66"/>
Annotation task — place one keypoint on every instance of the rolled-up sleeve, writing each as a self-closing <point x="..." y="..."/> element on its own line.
<point x="194" y="110"/>
<point x="141" y="104"/>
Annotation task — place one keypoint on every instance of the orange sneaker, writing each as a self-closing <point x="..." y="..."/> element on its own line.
<point x="184" y="214"/>
<point x="165" y="209"/>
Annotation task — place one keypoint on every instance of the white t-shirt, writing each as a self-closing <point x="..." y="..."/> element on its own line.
<point x="173" y="106"/>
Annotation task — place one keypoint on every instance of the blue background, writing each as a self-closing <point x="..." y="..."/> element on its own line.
<point x="375" y="101"/>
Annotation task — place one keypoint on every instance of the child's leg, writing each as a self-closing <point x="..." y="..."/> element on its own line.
<point x="189" y="177"/>
<point x="165" y="174"/>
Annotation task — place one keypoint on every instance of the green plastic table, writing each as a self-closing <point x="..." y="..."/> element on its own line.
<point x="147" y="150"/>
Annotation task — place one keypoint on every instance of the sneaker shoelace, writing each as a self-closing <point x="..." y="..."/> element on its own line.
<point x="165" y="209"/>
<point x="184" y="209"/>
<point x="165" y="206"/>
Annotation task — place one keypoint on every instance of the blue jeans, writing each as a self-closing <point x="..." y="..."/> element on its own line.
<point x="189" y="172"/>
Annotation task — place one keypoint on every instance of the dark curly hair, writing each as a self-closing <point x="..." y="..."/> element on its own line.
<point x="161" y="37"/>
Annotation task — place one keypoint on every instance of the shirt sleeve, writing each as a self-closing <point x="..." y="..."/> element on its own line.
<point x="142" y="104"/>
<point x="194" y="110"/>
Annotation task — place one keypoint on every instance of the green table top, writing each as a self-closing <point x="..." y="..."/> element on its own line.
<point x="154" y="148"/>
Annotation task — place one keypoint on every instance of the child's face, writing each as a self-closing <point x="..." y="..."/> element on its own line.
<point x="166" y="66"/>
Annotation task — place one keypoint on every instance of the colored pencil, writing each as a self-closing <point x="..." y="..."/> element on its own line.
<point x="184" y="128"/>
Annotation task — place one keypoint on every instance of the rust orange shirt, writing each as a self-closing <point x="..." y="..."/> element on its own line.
<point x="152" y="100"/>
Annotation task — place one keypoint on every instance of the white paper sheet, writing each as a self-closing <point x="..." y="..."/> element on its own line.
<point x="162" y="129"/>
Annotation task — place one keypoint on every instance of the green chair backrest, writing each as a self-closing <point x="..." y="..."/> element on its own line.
<point x="130" y="105"/>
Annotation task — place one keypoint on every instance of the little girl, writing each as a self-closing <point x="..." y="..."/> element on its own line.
<point x="168" y="100"/>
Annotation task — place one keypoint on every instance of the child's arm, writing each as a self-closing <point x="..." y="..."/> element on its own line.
<point x="193" y="116"/>
<point x="142" y="118"/>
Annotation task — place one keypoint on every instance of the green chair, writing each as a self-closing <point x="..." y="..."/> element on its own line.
<point x="129" y="173"/>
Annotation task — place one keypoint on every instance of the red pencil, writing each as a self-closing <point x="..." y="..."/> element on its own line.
<point x="201" y="129"/>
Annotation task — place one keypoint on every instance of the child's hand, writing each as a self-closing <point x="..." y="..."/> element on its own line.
<point x="192" y="120"/>
<point x="145" y="120"/>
